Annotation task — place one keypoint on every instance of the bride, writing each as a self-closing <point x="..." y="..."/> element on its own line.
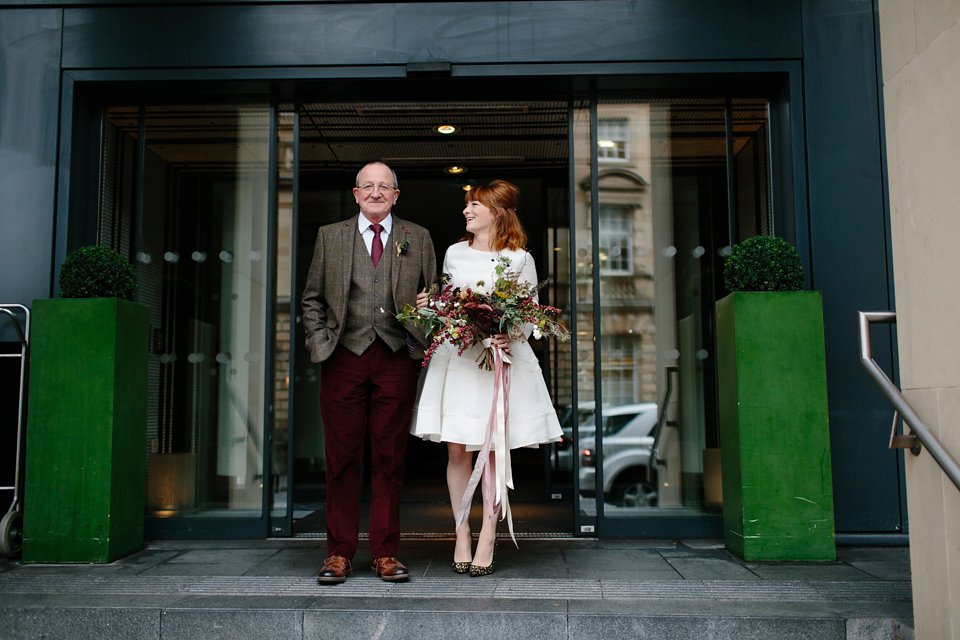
<point x="455" y="396"/>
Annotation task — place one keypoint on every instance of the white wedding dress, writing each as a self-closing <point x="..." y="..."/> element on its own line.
<point x="454" y="395"/>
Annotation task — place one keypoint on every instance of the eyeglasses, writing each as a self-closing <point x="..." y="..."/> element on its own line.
<point x="383" y="187"/>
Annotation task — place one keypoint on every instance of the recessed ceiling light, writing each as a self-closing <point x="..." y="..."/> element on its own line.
<point x="446" y="129"/>
<point x="455" y="169"/>
<point x="467" y="187"/>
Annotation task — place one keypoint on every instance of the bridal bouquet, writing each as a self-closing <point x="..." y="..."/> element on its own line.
<point x="466" y="316"/>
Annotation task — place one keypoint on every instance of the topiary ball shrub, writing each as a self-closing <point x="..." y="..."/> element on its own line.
<point x="763" y="263"/>
<point x="97" y="272"/>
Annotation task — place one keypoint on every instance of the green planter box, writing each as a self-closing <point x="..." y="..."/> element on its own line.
<point x="774" y="428"/>
<point x="85" y="488"/>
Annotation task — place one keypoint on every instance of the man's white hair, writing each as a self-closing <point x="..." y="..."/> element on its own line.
<point x="396" y="183"/>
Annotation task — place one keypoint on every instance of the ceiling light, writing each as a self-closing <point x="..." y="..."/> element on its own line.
<point x="467" y="187"/>
<point x="455" y="169"/>
<point x="446" y="129"/>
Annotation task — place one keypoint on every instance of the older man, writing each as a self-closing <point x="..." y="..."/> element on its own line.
<point x="364" y="269"/>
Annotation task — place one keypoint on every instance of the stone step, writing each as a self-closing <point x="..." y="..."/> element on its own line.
<point x="77" y="606"/>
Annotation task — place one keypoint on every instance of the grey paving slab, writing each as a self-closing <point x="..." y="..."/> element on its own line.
<point x="302" y="562"/>
<point x="617" y="559"/>
<point x="703" y="627"/>
<point x="80" y="624"/>
<point x="710" y="569"/>
<point x="871" y="629"/>
<point x="447" y="604"/>
<point x="637" y="544"/>
<point x="245" y="603"/>
<point x="214" y="556"/>
<point x="418" y="625"/>
<point x="143" y="560"/>
<point x="702" y="544"/>
<point x="225" y="568"/>
<point x="696" y="608"/>
<point x="886" y="610"/>
<point x="73" y="600"/>
<point x="269" y="543"/>
<point x="588" y="573"/>
<point x="852" y="555"/>
<point x="812" y="571"/>
<point x="708" y="553"/>
<point x="526" y="562"/>
<point x="66" y="569"/>
<point x="882" y="570"/>
<point x="186" y="624"/>
<point x="882" y="563"/>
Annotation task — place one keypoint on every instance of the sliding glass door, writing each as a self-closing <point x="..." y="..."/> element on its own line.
<point x="657" y="188"/>
<point x="630" y="203"/>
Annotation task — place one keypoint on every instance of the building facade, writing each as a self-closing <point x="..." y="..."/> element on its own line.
<point x="208" y="140"/>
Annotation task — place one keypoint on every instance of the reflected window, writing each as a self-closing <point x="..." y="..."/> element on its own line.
<point x="616" y="239"/>
<point x="618" y="368"/>
<point x="613" y="136"/>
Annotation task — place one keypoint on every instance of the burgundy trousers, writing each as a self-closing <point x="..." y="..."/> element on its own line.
<point x="374" y="391"/>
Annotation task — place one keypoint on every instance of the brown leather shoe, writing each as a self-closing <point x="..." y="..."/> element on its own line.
<point x="335" y="570"/>
<point x="390" y="569"/>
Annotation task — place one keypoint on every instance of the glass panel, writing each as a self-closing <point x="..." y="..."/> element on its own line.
<point x="662" y="216"/>
<point x="284" y="302"/>
<point x="690" y="216"/>
<point x="560" y="381"/>
<point x="751" y="152"/>
<point x="202" y="269"/>
<point x="582" y="417"/>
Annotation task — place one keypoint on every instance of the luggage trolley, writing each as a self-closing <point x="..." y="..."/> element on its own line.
<point x="11" y="526"/>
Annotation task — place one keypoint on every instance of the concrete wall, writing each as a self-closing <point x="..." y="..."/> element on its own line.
<point x="920" y="42"/>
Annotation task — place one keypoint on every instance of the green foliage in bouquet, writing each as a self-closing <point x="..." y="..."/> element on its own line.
<point x="763" y="263"/>
<point x="97" y="272"/>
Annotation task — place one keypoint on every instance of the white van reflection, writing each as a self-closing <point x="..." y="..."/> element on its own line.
<point x="628" y="438"/>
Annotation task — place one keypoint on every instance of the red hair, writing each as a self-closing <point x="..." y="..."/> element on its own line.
<point x="502" y="199"/>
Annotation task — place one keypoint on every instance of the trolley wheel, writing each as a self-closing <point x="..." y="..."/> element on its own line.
<point x="11" y="534"/>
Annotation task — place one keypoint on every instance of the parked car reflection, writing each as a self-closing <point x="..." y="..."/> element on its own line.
<point x="629" y="479"/>
<point x="564" y="449"/>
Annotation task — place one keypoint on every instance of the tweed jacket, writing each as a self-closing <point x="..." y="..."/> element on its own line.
<point x="328" y="283"/>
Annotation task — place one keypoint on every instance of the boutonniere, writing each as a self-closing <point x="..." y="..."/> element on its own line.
<point x="401" y="247"/>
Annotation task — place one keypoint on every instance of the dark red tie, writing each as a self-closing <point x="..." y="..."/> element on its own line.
<point x="376" y="249"/>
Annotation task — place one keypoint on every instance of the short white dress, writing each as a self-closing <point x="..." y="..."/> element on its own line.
<point x="454" y="395"/>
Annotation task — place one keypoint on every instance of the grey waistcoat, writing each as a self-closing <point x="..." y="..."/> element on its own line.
<point x="370" y="291"/>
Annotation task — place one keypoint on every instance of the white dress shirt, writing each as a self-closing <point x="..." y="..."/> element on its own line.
<point x="367" y="233"/>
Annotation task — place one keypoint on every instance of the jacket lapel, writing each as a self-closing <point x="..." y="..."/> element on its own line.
<point x="399" y="236"/>
<point x="347" y="232"/>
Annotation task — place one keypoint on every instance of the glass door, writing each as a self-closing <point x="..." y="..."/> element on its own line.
<point x="186" y="191"/>
<point x="659" y="190"/>
<point x="438" y="150"/>
<point x="630" y="206"/>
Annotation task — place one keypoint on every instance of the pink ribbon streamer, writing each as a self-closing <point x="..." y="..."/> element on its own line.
<point x="495" y="497"/>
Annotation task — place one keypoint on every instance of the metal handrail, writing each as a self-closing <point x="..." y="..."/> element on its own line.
<point x="890" y="390"/>
<point x="662" y="418"/>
